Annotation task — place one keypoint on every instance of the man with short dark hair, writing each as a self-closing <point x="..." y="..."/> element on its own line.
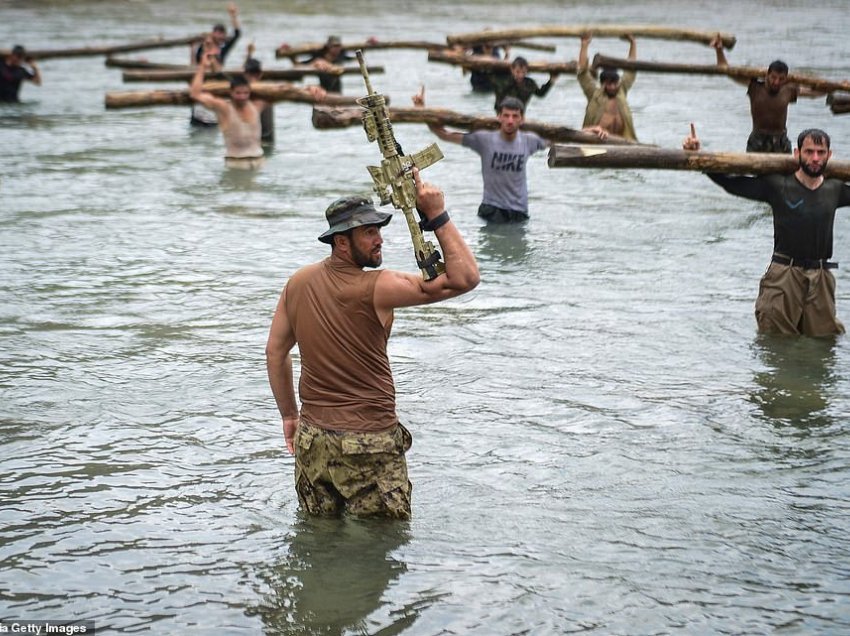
<point x="348" y="443"/>
<point x="504" y="154"/>
<point x="253" y="70"/>
<point x="328" y="60"/>
<point x="607" y="106"/>
<point x="769" y="100"/>
<point x="517" y="84"/>
<point x="238" y="117"/>
<point x="214" y="48"/>
<point x="12" y="73"/>
<point x="797" y="292"/>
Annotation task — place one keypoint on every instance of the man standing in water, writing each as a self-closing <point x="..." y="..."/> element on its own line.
<point x="348" y="443"/>
<point x="769" y="101"/>
<point x="606" y="104"/>
<point x="215" y="48"/>
<point x="517" y="84"/>
<point x="797" y="292"/>
<point x="239" y="118"/>
<point x="12" y="73"/>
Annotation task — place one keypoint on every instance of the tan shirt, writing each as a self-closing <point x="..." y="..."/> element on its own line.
<point x="346" y="381"/>
<point x="241" y="137"/>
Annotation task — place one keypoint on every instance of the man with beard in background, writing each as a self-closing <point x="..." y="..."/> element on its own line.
<point x="797" y="292"/>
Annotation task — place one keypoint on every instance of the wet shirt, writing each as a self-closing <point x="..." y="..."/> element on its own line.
<point x="225" y="48"/>
<point x="10" y="81"/>
<point x="503" y="166"/>
<point x="506" y="86"/>
<point x="242" y="138"/>
<point x="346" y="382"/>
<point x="802" y="218"/>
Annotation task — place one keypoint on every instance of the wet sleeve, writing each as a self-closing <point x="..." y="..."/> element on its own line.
<point x="541" y="91"/>
<point x="844" y="196"/>
<point x="229" y="44"/>
<point x="747" y="187"/>
<point x="588" y="85"/>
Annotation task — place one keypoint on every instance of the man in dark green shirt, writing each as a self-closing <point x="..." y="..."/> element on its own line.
<point x="797" y="292"/>
<point x="518" y="84"/>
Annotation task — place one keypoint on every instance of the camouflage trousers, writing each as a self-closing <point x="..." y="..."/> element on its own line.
<point x="364" y="474"/>
<point x="768" y="142"/>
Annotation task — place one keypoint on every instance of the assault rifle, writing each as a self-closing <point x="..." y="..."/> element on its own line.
<point x="393" y="179"/>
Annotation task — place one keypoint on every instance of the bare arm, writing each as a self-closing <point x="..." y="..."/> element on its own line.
<point x="279" y="368"/>
<point x="440" y="131"/>
<point x="402" y="289"/>
<point x="197" y="93"/>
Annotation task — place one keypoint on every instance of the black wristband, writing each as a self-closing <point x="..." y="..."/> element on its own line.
<point x="436" y="223"/>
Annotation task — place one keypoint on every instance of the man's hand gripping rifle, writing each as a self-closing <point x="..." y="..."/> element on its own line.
<point x="393" y="180"/>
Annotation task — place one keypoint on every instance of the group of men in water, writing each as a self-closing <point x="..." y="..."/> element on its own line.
<point x="348" y="443"/>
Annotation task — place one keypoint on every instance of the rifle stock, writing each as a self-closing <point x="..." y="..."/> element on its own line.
<point x="393" y="179"/>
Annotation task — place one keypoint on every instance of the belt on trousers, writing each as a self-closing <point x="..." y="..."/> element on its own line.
<point x="805" y="263"/>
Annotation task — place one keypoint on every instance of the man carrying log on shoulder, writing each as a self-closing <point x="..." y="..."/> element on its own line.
<point x="13" y="72"/>
<point x="797" y="292"/>
<point x="215" y="47"/>
<point x="239" y="118"/>
<point x="769" y="101"/>
<point x="253" y="70"/>
<point x="517" y="84"/>
<point x="329" y="60"/>
<point x="606" y="103"/>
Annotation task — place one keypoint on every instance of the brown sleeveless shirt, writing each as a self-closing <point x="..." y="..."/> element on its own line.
<point x="346" y="382"/>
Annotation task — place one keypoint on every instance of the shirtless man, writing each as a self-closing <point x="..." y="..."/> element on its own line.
<point x="238" y="118"/>
<point x="769" y="101"/>
<point x="606" y="104"/>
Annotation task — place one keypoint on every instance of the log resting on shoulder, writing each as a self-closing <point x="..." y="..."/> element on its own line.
<point x="601" y="156"/>
<point x="268" y="91"/>
<point x="597" y="30"/>
<point x="486" y="63"/>
<point x="741" y="72"/>
<point x="186" y="73"/>
<point x="838" y="104"/>
<point x="122" y="62"/>
<point x="327" y="117"/>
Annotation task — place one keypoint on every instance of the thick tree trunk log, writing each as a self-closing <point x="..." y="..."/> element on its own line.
<point x="186" y="73"/>
<point x="574" y="156"/>
<point x="484" y="63"/>
<point x="43" y="54"/>
<point x="270" y="92"/>
<point x="742" y="72"/>
<point x="598" y="30"/>
<point x="116" y="62"/>
<point x="838" y="104"/>
<point x="313" y="48"/>
<point x="325" y="117"/>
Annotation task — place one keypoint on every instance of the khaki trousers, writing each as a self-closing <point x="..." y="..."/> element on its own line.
<point x="797" y="301"/>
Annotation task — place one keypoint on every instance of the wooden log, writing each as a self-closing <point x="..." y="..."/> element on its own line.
<point x="839" y="104"/>
<point x="741" y="72"/>
<point x="524" y="44"/>
<point x="597" y="30"/>
<point x="313" y="48"/>
<point x="326" y="117"/>
<point x="269" y="91"/>
<point x="486" y="63"/>
<point x="186" y="73"/>
<point x="117" y="62"/>
<point x="86" y="51"/>
<point x="601" y="156"/>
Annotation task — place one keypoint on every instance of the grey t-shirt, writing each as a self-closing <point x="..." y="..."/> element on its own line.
<point x="503" y="166"/>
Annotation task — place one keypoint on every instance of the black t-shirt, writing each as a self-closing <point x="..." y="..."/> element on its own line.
<point x="802" y="218"/>
<point x="225" y="48"/>
<point x="10" y="81"/>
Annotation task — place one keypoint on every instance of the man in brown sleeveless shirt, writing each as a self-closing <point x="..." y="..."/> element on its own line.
<point x="348" y="443"/>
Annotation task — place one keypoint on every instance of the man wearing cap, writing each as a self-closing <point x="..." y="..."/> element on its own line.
<point x="606" y="103"/>
<point x="328" y="60"/>
<point x="348" y="443"/>
<point x="12" y="73"/>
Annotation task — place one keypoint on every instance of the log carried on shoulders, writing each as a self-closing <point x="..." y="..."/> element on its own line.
<point x="326" y="117"/>
<point x="601" y="156"/>
<point x="186" y="73"/>
<point x="597" y="30"/>
<point x="742" y="72"/>
<point x="313" y="48"/>
<point x="159" y="43"/>
<point x="269" y="91"/>
<point x="485" y="63"/>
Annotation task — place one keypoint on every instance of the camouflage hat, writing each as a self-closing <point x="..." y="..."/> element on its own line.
<point x="350" y="212"/>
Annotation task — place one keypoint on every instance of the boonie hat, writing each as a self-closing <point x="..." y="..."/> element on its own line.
<point x="349" y="212"/>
